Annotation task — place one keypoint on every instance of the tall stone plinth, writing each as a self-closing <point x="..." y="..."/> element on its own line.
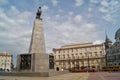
<point x="37" y="44"/>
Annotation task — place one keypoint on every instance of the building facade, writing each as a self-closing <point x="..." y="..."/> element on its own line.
<point x="5" y="61"/>
<point x="113" y="50"/>
<point x="80" y="56"/>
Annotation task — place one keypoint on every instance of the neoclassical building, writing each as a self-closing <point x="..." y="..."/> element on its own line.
<point x="113" y="50"/>
<point x="5" y="61"/>
<point x="80" y="56"/>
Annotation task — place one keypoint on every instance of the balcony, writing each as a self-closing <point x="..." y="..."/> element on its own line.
<point x="80" y="58"/>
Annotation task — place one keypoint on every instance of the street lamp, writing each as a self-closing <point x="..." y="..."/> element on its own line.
<point x="88" y="66"/>
<point x="69" y="64"/>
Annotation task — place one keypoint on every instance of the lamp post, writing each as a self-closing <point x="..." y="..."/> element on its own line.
<point x="88" y="66"/>
<point x="69" y="64"/>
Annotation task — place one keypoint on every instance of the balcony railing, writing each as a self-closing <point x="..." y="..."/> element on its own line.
<point x="82" y="57"/>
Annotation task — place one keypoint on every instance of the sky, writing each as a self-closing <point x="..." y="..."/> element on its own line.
<point x="65" y="22"/>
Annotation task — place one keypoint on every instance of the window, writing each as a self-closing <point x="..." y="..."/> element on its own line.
<point x="97" y="61"/>
<point x="76" y="49"/>
<point x="72" y="50"/>
<point x="55" y="52"/>
<point x="59" y="56"/>
<point x="90" y="54"/>
<point x="54" y="57"/>
<point x="86" y="54"/>
<point x="68" y="51"/>
<point x="63" y="63"/>
<point x="90" y="48"/>
<point x="101" y="53"/>
<point x="72" y="62"/>
<point x="95" y="47"/>
<point x="85" y="49"/>
<point x="80" y="49"/>
<point x="59" y="63"/>
<point x="100" y="48"/>
<point x="72" y="55"/>
<point x="81" y="54"/>
<point x="68" y="56"/>
<point x="76" y="54"/>
<point x="63" y="56"/>
<point x="102" y="60"/>
<point x="63" y="51"/>
<point x="96" y="54"/>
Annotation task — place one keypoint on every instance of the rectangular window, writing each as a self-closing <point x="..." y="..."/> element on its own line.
<point x="101" y="53"/>
<point x="63" y="63"/>
<point x="85" y="49"/>
<point x="54" y="52"/>
<point x="76" y="50"/>
<point x="90" y="54"/>
<point x="85" y="54"/>
<point x="59" y="56"/>
<point x="54" y="57"/>
<point x="95" y="47"/>
<point x="96" y="54"/>
<point x="63" y="51"/>
<point x="73" y="62"/>
<point x="68" y="50"/>
<point x="97" y="60"/>
<point x="72" y="55"/>
<point x="72" y="50"/>
<point x="63" y="56"/>
<point x="68" y="56"/>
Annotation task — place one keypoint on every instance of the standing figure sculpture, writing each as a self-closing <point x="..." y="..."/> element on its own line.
<point x="38" y="14"/>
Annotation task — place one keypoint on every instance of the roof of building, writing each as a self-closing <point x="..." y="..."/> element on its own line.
<point x="107" y="39"/>
<point x="78" y="45"/>
<point x="117" y="34"/>
<point x="5" y="53"/>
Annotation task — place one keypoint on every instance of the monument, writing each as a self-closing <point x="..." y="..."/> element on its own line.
<point x="36" y="60"/>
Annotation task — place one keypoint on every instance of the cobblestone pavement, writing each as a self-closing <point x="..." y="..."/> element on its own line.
<point x="71" y="76"/>
<point x="104" y="76"/>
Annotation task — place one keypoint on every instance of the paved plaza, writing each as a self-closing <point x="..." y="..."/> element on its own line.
<point x="71" y="76"/>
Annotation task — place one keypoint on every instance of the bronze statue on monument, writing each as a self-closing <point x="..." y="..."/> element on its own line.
<point x="38" y="14"/>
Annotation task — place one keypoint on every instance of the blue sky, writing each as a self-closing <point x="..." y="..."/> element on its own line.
<point x="65" y="22"/>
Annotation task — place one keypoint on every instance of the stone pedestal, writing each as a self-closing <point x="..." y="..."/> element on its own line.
<point x="40" y="62"/>
<point x="33" y="63"/>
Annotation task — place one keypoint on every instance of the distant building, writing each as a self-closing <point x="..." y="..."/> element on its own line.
<point x="113" y="50"/>
<point x="79" y="56"/>
<point x="5" y="61"/>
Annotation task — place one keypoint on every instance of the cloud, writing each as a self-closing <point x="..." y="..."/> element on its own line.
<point x="76" y="30"/>
<point x="54" y="2"/>
<point x="13" y="10"/>
<point x="15" y="30"/>
<point x="78" y="18"/>
<point x="3" y="2"/>
<point x="78" y="2"/>
<point x="110" y="9"/>
<point x="95" y="1"/>
<point x="98" y="42"/>
<point x="45" y="8"/>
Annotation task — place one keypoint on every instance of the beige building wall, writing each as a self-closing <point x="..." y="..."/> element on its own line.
<point x="5" y="61"/>
<point x="80" y="56"/>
